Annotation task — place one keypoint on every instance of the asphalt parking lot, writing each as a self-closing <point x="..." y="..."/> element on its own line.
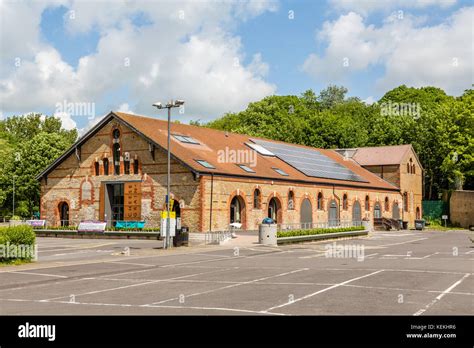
<point x="399" y="272"/>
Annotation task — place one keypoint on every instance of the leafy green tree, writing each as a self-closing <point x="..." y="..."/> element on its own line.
<point x="27" y="145"/>
<point x="332" y="96"/>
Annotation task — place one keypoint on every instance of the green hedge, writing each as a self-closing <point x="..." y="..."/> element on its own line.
<point x="14" y="236"/>
<point x="294" y="233"/>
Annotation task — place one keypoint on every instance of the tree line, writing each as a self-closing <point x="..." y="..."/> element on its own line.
<point x="439" y="126"/>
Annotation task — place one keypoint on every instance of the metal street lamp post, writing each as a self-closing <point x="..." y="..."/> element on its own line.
<point x="169" y="105"/>
<point x="13" y="194"/>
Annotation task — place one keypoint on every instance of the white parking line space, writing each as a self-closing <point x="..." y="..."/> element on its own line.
<point x="40" y="274"/>
<point x="440" y="296"/>
<point x="321" y="291"/>
<point x="283" y="280"/>
<point x="232" y="285"/>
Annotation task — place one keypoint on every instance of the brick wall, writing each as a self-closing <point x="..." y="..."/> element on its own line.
<point x="461" y="207"/>
<point x="413" y="185"/>
<point x="226" y="188"/>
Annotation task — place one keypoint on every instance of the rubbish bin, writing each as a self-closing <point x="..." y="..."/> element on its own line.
<point x="420" y="224"/>
<point x="400" y="223"/>
<point x="405" y="225"/>
<point x="268" y="220"/>
<point x="267" y="234"/>
<point x="181" y="237"/>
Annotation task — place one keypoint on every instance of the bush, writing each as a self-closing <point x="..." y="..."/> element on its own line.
<point x="12" y="238"/>
<point x="294" y="233"/>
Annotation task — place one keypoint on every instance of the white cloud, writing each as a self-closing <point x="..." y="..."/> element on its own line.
<point x="365" y="7"/>
<point x="67" y="122"/>
<point x="187" y="51"/>
<point x="411" y="54"/>
<point x="369" y="100"/>
<point x="125" y="108"/>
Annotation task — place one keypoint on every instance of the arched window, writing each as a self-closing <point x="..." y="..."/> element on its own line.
<point x="135" y="166"/>
<point x="405" y="202"/>
<point x="377" y="211"/>
<point x="367" y="203"/>
<point x="256" y="199"/>
<point x="413" y="168"/>
<point x="387" y="204"/>
<point x="126" y="167"/>
<point x="116" y="151"/>
<point x="344" y="202"/>
<point x="96" y="168"/>
<point x="291" y="200"/>
<point x="106" y="166"/>
<point x="320" y="201"/>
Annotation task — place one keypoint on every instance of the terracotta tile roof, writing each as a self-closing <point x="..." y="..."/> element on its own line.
<point x="212" y="141"/>
<point x="381" y="155"/>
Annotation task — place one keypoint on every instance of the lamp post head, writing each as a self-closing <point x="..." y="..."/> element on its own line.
<point x="171" y="104"/>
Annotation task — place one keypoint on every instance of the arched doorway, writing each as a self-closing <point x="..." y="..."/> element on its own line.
<point x="306" y="214"/>
<point x="274" y="210"/>
<point x="356" y="213"/>
<point x="63" y="214"/>
<point x="395" y="211"/>
<point x="237" y="211"/>
<point x="377" y="211"/>
<point x="333" y="213"/>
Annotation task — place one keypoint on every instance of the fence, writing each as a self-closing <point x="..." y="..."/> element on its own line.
<point x="433" y="210"/>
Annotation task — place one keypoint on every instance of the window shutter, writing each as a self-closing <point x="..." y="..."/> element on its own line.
<point x="133" y="201"/>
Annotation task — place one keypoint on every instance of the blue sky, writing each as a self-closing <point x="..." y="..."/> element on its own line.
<point x="219" y="56"/>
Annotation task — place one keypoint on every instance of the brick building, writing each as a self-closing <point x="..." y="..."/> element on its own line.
<point x="400" y="166"/>
<point x="117" y="171"/>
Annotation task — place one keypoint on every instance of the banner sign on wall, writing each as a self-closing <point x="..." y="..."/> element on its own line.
<point x="36" y="223"/>
<point x="91" y="226"/>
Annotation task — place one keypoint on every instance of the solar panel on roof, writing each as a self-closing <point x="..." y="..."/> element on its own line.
<point x="310" y="162"/>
